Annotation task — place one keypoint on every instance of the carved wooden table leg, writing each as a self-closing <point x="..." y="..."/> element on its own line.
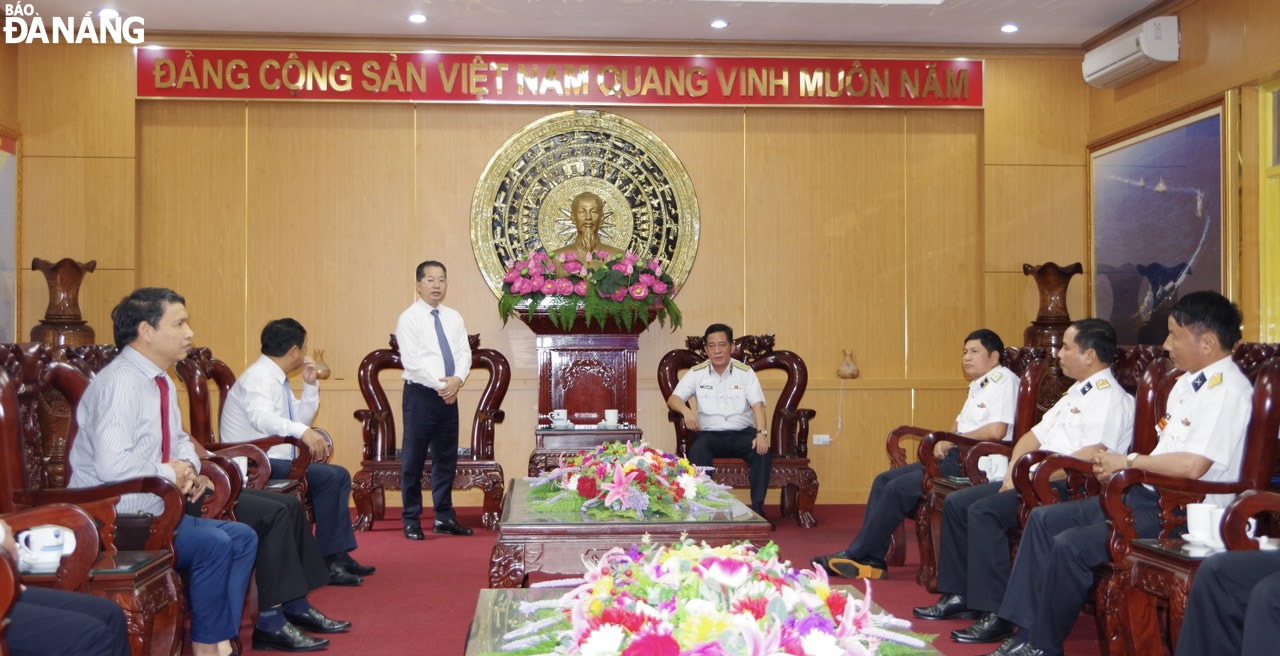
<point x="153" y="604"/>
<point x="362" y="492"/>
<point x="806" y="498"/>
<point x="506" y="566"/>
<point x="492" y="484"/>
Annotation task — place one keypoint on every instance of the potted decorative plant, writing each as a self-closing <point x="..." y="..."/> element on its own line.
<point x="620" y="289"/>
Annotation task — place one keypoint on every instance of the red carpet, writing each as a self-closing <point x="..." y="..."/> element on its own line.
<point x="423" y="596"/>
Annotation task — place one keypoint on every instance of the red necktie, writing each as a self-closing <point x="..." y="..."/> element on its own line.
<point x="163" y="384"/>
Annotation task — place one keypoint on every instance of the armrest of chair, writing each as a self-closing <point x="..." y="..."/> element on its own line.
<point x="799" y="446"/>
<point x="372" y="424"/>
<point x="1175" y="493"/>
<point x="1235" y="520"/>
<point x="100" y="500"/>
<point x="1079" y="475"/>
<point x="73" y="571"/>
<point x="893" y="443"/>
<point x="1023" y="480"/>
<point x="299" y="467"/>
<point x="225" y="476"/>
<point x="986" y="448"/>
<point x="925" y="451"/>
<point x="259" y="463"/>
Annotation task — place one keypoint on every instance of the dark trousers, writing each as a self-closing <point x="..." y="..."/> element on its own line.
<point x="429" y="424"/>
<point x="708" y="445"/>
<point x="217" y="558"/>
<point x="1061" y="544"/>
<point x="289" y="564"/>
<point x="329" y="489"/>
<point x="1234" y="606"/>
<point x="56" y="623"/>
<point x="973" y="558"/>
<point x="894" y="497"/>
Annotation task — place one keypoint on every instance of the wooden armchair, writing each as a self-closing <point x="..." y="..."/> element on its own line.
<point x="380" y="469"/>
<point x="1030" y="364"/>
<point x="38" y="396"/>
<point x="72" y="574"/>
<point x="195" y="371"/>
<point x="788" y="429"/>
<point x="1119" y="583"/>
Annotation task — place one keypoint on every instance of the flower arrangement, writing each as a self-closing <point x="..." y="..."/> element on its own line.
<point x="620" y="480"/>
<point x="690" y="599"/>
<point x="623" y="289"/>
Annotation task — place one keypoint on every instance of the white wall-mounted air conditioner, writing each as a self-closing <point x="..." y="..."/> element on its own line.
<point x="1151" y="45"/>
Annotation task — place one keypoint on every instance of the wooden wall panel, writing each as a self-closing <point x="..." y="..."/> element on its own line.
<point x="1034" y="214"/>
<point x="942" y="239"/>
<point x="191" y="215"/>
<point x="1225" y="43"/>
<point x="823" y="255"/>
<point x="77" y="100"/>
<point x="93" y="201"/>
<point x="1035" y="111"/>
<point x="330" y="224"/>
<point x="9" y="86"/>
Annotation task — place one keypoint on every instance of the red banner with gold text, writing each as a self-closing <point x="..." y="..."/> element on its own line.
<point x="558" y="79"/>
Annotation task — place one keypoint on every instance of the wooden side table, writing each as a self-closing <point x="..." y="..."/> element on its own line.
<point x="551" y="444"/>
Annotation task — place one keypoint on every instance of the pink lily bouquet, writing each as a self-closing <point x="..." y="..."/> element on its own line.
<point x="690" y="599"/>
<point x="623" y="289"/>
<point x="619" y="480"/>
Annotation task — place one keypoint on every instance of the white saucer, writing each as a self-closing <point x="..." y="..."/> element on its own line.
<point x="39" y="569"/>
<point x="1203" y="542"/>
<point x="607" y="426"/>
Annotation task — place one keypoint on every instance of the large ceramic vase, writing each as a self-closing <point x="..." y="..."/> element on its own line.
<point x="62" y="324"/>
<point x="1053" y="318"/>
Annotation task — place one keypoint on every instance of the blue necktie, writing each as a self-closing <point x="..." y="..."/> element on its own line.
<point x="288" y="404"/>
<point x="445" y="351"/>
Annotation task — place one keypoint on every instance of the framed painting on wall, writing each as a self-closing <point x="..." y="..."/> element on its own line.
<point x="10" y="207"/>
<point x="1159" y="222"/>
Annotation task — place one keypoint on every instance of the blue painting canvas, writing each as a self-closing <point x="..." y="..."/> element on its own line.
<point x="1157" y="225"/>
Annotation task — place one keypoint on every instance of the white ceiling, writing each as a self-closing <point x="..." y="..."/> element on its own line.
<point x="1042" y="22"/>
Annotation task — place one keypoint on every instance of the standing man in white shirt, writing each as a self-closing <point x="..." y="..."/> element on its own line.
<point x="987" y="414"/>
<point x="261" y="403"/>
<point x="1094" y="416"/>
<point x="1201" y="437"/>
<point x="730" y="420"/>
<point x="436" y="356"/>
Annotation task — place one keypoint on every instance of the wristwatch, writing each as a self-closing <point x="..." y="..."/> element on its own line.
<point x="1131" y="458"/>
<point x="762" y="431"/>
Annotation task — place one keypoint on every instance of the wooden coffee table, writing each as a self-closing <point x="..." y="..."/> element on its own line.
<point x="532" y="542"/>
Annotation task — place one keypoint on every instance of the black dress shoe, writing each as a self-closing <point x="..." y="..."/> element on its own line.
<point x="354" y="567"/>
<point x="1007" y="647"/>
<point x="988" y="628"/>
<point x="948" y="606"/>
<point x="287" y="639"/>
<point x="340" y="575"/>
<point x="316" y="622"/>
<point x="1025" y="649"/>
<point x="450" y="527"/>
<point x="414" y="532"/>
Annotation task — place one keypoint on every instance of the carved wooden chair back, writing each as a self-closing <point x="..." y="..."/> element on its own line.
<point x="789" y="424"/>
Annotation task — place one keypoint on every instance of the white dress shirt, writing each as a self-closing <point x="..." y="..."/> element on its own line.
<point x="420" y="346"/>
<point x="724" y="401"/>
<point x="992" y="398"/>
<point x="258" y="405"/>
<point x="1209" y="421"/>
<point x="120" y="430"/>
<point x="1095" y="410"/>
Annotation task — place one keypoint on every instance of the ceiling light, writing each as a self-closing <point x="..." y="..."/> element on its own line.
<point x="1008" y="28"/>
<point x="108" y="13"/>
<point x="719" y="23"/>
<point x="417" y="18"/>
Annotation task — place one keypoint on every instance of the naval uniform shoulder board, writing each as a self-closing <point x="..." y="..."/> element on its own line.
<point x="701" y="365"/>
<point x="741" y="365"/>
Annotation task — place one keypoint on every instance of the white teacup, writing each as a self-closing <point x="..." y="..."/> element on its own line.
<point x="242" y="462"/>
<point x="1204" y="523"/>
<point x="995" y="466"/>
<point x="611" y="417"/>
<point x="42" y="547"/>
